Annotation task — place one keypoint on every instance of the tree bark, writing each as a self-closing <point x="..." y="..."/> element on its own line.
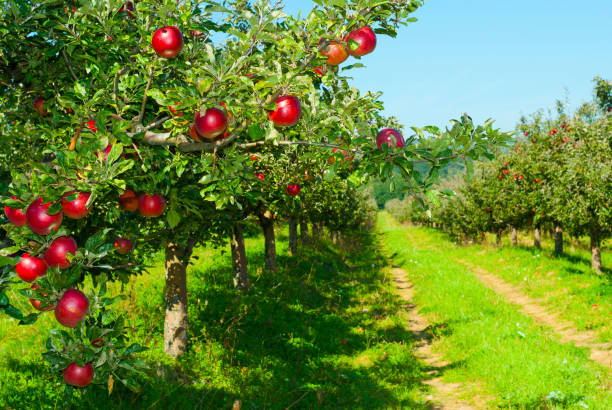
<point x="175" y="323"/>
<point x="498" y="238"/>
<point x="558" y="240"/>
<point x="317" y="229"/>
<point x="293" y="236"/>
<point x="596" y="251"/>
<point x="537" y="238"/>
<point x="239" y="262"/>
<point x="304" y="233"/>
<point x="267" y="224"/>
<point x="514" y="236"/>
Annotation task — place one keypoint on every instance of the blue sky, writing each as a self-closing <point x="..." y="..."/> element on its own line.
<point x="489" y="58"/>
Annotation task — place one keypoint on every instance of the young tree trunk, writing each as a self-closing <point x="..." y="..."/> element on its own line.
<point x="498" y="238"/>
<point x="537" y="238"/>
<point x="293" y="236"/>
<point x="317" y="229"/>
<point x="267" y="224"/>
<point x="483" y="238"/>
<point x="514" y="236"/>
<point x="175" y="323"/>
<point x="239" y="261"/>
<point x="558" y="240"/>
<point x="304" y="233"/>
<point x="596" y="251"/>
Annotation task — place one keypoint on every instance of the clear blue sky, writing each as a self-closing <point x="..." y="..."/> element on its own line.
<point x="489" y="58"/>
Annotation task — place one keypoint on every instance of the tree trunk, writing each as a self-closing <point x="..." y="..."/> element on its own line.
<point x="483" y="238"/>
<point x="558" y="240"/>
<point x="514" y="236"/>
<point x="498" y="238"/>
<point x="239" y="261"/>
<point x="293" y="236"/>
<point x="267" y="224"/>
<point x="175" y="323"/>
<point x="304" y="233"/>
<point x="537" y="238"/>
<point x="596" y="251"/>
<point x="317" y="229"/>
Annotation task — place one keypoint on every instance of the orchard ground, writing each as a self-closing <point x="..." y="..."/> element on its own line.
<point x="330" y="331"/>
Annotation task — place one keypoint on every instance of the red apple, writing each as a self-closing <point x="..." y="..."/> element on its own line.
<point x="128" y="201"/>
<point x="151" y="206"/>
<point x="76" y="209"/>
<point x="39" y="221"/>
<point x="37" y="304"/>
<point x="57" y="252"/>
<point x="260" y="176"/>
<point x="71" y="308"/>
<point x="39" y="106"/>
<point x="91" y="125"/>
<point x="194" y="134"/>
<point x="293" y="189"/>
<point x="130" y="9"/>
<point x="78" y="376"/>
<point x="174" y="111"/>
<point x="212" y="124"/>
<point x="320" y="70"/>
<point x="335" y="52"/>
<point x="99" y="342"/>
<point x="361" y="41"/>
<point x="105" y="151"/>
<point x="30" y="267"/>
<point x="390" y="137"/>
<point x="123" y="245"/>
<point x="167" y="41"/>
<point x="288" y="111"/>
<point x="15" y="216"/>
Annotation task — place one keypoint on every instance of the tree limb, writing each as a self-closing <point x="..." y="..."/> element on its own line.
<point x="69" y="65"/>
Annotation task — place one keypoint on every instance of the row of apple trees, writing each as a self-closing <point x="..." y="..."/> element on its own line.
<point x="557" y="177"/>
<point x="131" y="128"/>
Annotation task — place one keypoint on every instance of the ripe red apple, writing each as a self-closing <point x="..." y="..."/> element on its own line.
<point x="151" y="206"/>
<point x="130" y="9"/>
<point x="76" y="209"/>
<point x="123" y="245"/>
<point x="260" y="176"/>
<point x="335" y="52"/>
<point x="320" y="70"/>
<point x="293" y="189"/>
<point x="167" y="41"/>
<point x="106" y="151"/>
<point x="78" y="376"/>
<point x="71" y="308"/>
<point x="37" y="304"/>
<point x="15" y="216"/>
<point x="56" y="254"/>
<point x="390" y="137"/>
<point x="39" y="106"/>
<point x="194" y="134"/>
<point x="288" y="111"/>
<point x="361" y="41"/>
<point x="128" y="201"/>
<point x="174" y="111"/>
<point x="91" y="125"/>
<point x="99" y="342"/>
<point x="30" y="267"/>
<point x="39" y="221"/>
<point x="212" y="124"/>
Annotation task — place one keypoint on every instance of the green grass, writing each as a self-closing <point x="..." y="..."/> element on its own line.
<point x="488" y="341"/>
<point x="322" y="333"/>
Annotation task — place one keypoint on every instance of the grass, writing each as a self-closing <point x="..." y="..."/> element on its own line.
<point x="322" y="333"/>
<point x="515" y="362"/>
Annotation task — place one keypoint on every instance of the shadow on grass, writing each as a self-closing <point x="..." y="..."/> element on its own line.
<point x="323" y="332"/>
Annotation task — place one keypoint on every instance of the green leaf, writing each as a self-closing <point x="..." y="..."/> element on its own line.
<point x="173" y="218"/>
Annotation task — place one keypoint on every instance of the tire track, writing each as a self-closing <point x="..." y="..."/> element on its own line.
<point x="599" y="352"/>
<point x="444" y="395"/>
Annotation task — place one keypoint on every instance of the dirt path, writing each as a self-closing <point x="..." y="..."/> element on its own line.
<point x="600" y="352"/>
<point x="444" y="395"/>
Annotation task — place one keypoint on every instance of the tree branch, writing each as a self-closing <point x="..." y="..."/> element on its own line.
<point x="116" y="85"/>
<point x="144" y="98"/>
<point x="69" y="65"/>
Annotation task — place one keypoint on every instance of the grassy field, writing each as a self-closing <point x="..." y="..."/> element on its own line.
<point x="322" y="333"/>
<point x="516" y="363"/>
